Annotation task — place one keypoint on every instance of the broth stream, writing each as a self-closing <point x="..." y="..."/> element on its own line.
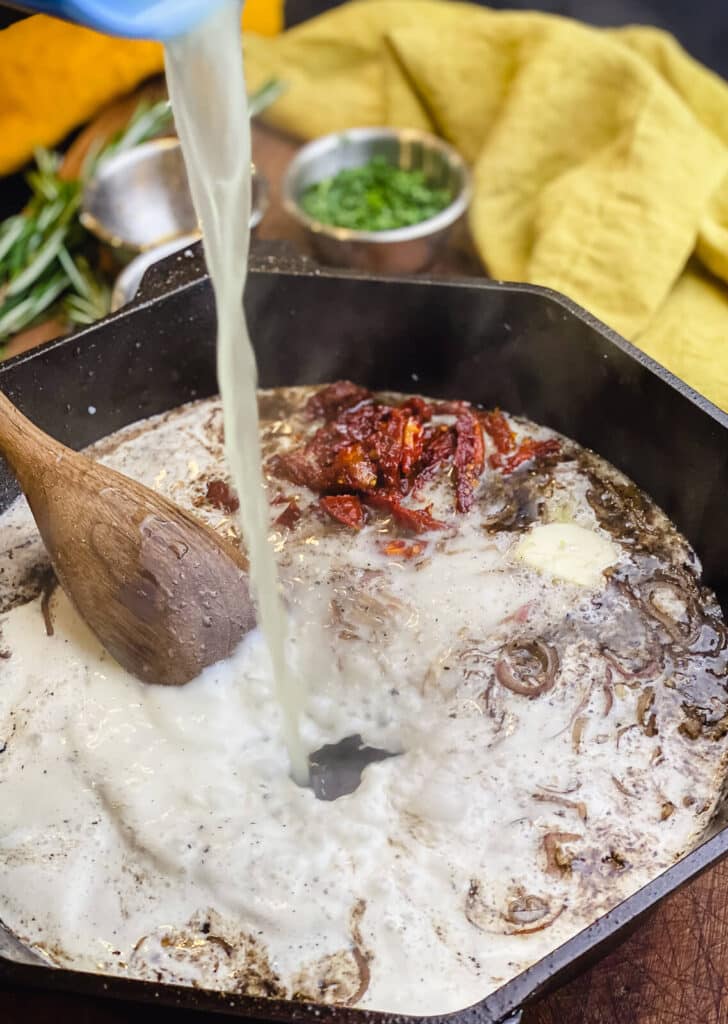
<point x="207" y="88"/>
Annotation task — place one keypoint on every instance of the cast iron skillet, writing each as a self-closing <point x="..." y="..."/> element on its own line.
<point x="517" y="346"/>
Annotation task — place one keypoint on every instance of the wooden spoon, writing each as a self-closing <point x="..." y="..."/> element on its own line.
<point x="164" y="594"/>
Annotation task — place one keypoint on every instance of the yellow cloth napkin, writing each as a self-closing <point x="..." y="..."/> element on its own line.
<point x="54" y="76"/>
<point x="600" y="157"/>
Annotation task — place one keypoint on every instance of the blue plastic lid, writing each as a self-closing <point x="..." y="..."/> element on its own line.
<point x="135" y="19"/>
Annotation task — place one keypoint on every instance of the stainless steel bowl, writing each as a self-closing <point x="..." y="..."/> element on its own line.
<point x="140" y="199"/>
<point x="404" y="249"/>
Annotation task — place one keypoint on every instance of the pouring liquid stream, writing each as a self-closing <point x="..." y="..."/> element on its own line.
<point x="206" y="84"/>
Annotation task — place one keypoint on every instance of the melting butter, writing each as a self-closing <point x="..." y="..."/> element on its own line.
<point x="566" y="551"/>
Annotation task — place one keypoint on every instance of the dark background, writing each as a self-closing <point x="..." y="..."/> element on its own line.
<point x="700" y="25"/>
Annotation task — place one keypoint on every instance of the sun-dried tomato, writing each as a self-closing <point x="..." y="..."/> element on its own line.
<point x="357" y="424"/>
<point x="379" y="452"/>
<point x="354" y="470"/>
<point x="520" y="614"/>
<point x="344" y="508"/>
<point x="453" y="408"/>
<point x="310" y="466"/>
<point x="418" y="407"/>
<point x="334" y="398"/>
<point x="390" y="438"/>
<point x="401" y="549"/>
<point x="469" y="458"/>
<point x="499" y="430"/>
<point x="387" y="445"/>
<point x="526" y="451"/>
<point x="221" y="495"/>
<point x="412" y="445"/>
<point x="290" y="515"/>
<point x="417" y="520"/>
<point x="438" y="446"/>
<point x="316" y="463"/>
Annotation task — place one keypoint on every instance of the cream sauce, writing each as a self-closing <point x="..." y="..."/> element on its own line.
<point x="156" y="832"/>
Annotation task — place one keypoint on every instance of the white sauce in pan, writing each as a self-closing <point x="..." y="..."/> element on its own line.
<point x="156" y="832"/>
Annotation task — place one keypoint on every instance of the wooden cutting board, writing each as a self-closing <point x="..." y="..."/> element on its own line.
<point x="673" y="970"/>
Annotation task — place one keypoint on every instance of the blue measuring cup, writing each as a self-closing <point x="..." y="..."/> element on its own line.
<point x="136" y="19"/>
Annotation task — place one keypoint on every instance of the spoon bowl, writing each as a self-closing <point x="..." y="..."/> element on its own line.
<point x="164" y="594"/>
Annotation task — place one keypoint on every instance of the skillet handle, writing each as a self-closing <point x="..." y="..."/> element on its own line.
<point x="172" y="273"/>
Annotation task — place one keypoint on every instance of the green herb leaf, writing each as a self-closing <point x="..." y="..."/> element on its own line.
<point x="262" y="98"/>
<point x="378" y="196"/>
<point x="14" y="316"/>
<point x="43" y="258"/>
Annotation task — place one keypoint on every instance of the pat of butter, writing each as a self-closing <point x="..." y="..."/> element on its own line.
<point x="568" y="552"/>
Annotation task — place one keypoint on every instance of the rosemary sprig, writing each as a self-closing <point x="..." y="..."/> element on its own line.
<point x="146" y="122"/>
<point x="46" y="255"/>
<point x="91" y="297"/>
<point x="265" y="95"/>
<point x="44" y="251"/>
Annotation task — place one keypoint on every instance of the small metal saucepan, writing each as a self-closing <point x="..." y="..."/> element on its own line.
<point x="140" y="199"/>
<point x="139" y="204"/>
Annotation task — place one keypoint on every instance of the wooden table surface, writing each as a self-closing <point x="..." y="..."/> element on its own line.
<point x="673" y="970"/>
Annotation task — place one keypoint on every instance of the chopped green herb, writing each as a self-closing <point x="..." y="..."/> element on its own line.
<point x="374" y="197"/>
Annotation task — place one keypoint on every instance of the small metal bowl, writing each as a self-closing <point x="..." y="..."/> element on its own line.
<point x="402" y="250"/>
<point x="140" y="199"/>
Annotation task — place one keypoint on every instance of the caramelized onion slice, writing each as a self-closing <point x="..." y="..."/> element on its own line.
<point x="559" y="860"/>
<point x="673" y="604"/>
<point x="525" y="909"/>
<point x="523" y="914"/>
<point x="529" y="914"/>
<point x="673" y="599"/>
<point x="528" y="668"/>
<point x="340" y="978"/>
